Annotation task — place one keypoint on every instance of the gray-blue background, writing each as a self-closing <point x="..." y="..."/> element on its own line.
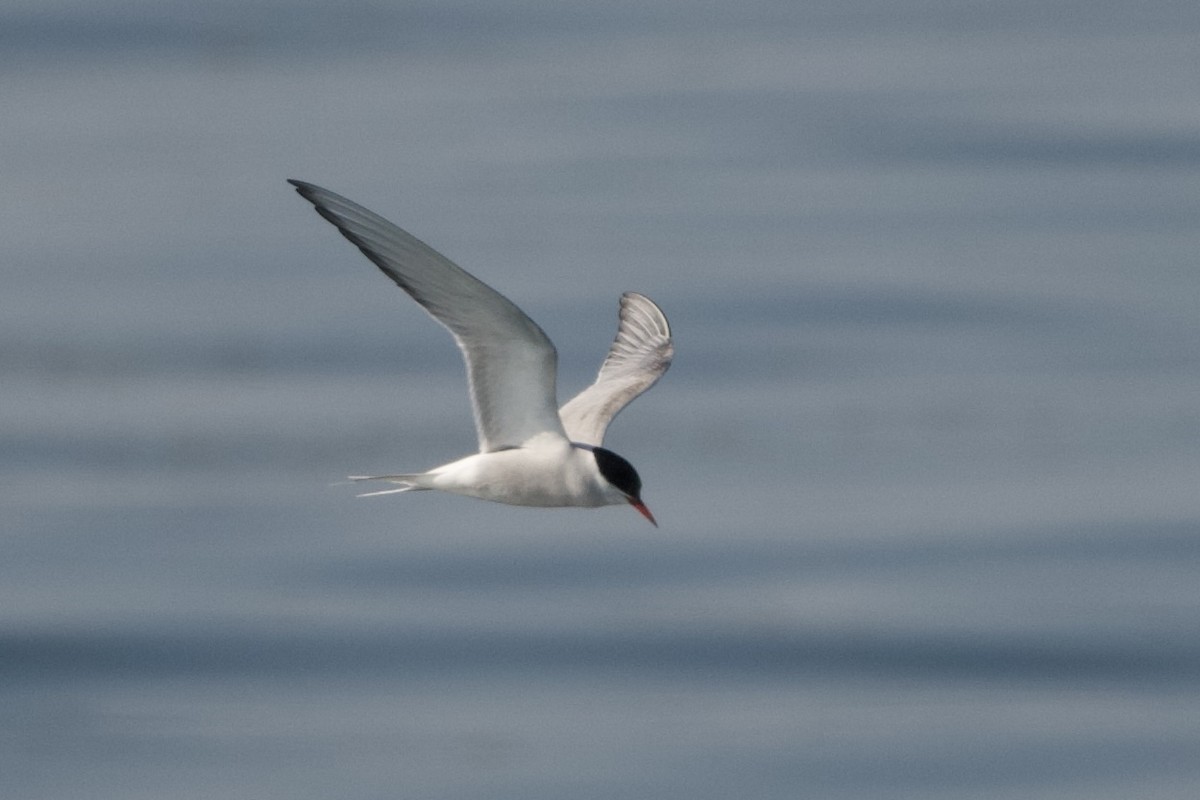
<point x="927" y="464"/>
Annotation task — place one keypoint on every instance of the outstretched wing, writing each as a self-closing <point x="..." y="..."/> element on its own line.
<point x="638" y="357"/>
<point x="511" y="364"/>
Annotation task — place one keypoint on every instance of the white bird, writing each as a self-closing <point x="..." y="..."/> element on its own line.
<point x="531" y="453"/>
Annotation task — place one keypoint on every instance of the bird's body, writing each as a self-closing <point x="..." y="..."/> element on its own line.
<point x="531" y="453"/>
<point x="547" y="471"/>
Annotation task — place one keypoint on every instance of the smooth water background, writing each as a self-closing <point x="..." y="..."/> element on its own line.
<point x="927" y="464"/>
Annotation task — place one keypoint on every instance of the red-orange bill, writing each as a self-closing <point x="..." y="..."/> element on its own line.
<point x="645" y="512"/>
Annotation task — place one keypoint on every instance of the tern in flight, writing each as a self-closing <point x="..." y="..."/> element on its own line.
<point x="531" y="452"/>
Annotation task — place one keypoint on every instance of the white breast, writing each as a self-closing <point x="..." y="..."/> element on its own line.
<point x="545" y="471"/>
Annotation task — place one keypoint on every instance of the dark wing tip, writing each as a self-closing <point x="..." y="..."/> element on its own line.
<point x="318" y="197"/>
<point x="306" y="190"/>
<point x="638" y="303"/>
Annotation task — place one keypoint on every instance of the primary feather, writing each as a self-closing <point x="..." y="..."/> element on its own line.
<point x="511" y="364"/>
<point x="638" y="357"/>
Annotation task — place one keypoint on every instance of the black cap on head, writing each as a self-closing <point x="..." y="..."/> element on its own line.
<point x="619" y="472"/>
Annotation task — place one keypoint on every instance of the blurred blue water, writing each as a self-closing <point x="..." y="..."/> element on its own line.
<point x="926" y="463"/>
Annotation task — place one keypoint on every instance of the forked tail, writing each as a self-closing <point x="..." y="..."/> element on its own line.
<point x="408" y="483"/>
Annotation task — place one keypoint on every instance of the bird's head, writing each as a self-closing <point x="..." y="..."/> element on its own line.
<point x="621" y="475"/>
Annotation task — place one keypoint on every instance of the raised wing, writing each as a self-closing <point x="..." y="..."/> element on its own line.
<point x="511" y="364"/>
<point x="638" y="357"/>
